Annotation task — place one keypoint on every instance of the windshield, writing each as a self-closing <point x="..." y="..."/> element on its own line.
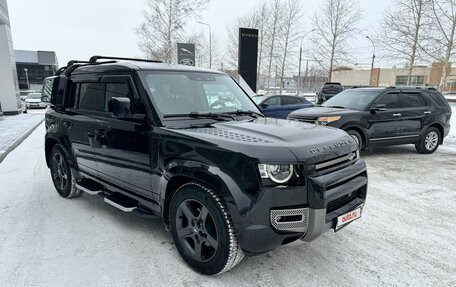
<point x="181" y="93"/>
<point x="352" y="99"/>
<point x="34" y="96"/>
<point x="258" y="99"/>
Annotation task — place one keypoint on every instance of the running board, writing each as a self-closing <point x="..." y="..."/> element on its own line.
<point x="121" y="202"/>
<point x="89" y="187"/>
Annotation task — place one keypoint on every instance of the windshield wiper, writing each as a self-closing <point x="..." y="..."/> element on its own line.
<point x="196" y="115"/>
<point x="248" y="113"/>
<point x="337" y="107"/>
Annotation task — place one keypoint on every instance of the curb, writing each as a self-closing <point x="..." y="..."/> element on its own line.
<point x="19" y="141"/>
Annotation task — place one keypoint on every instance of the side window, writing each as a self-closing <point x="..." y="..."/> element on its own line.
<point x="92" y="96"/>
<point x="272" y="101"/>
<point x="290" y="101"/>
<point x="390" y="100"/>
<point x="411" y="100"/>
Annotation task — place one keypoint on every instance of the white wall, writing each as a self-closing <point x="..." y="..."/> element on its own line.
<point x="9" y="89"/>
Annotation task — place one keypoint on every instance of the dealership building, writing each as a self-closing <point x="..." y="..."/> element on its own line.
<point x="421" y="76"/>
<point x="33" y="67"/>
<point x="9" y="87"/>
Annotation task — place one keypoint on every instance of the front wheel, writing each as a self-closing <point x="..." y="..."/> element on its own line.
<point x="357" y="137"/>
<point x="429" y="142"/>
<point x="203" y="231"/>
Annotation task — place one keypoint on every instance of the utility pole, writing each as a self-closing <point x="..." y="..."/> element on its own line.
<point x="300" y="59"/>
<point x="27" y="78"/>
<point x="371" y="83"/>
<point x="210" y="42"/>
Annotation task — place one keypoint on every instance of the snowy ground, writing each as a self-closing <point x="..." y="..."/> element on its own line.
<point x="405" y="237"/>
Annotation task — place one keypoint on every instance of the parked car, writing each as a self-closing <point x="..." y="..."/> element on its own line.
<point x="24" y="93"/>
<point x="33" y="100"/>
<point x="385" y="116"/>
<point x="279" y="106"/>
<point x="226" y="180"/>
<point x="327" y="91"/>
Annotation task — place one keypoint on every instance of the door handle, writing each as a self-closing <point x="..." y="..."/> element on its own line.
<point x="397" y="115"/>
<point x="427" y="112"/>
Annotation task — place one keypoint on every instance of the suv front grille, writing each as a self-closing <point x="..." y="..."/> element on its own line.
<point x="337" y="163"/>
<point x="342" y="201"/>
<point x="305" y="119"/>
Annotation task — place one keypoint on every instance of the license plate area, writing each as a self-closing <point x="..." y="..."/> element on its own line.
<point x="346" y="218"/>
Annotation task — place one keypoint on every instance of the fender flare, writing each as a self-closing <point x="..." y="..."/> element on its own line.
<point x="187" y="171"/>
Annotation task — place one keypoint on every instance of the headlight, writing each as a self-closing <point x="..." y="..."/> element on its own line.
<point x="278" y="173"/>
<point x="327" y="120"/>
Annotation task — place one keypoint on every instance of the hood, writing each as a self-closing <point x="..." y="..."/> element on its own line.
<point x="275" y="140"/>
<point x="320" y="111"/>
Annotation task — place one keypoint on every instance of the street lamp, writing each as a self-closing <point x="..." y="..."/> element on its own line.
<point x="300" y="58"/>
<point x="26" y="77"/>
<point x="210" y="42"/>
<point x="373" y="59"/>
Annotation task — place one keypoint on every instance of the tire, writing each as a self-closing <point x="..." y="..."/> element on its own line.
<point x="62" y="175"/>
<point x="203" y="231"/>
<point x="429" y="142"/>
<point x="357" y="137"/>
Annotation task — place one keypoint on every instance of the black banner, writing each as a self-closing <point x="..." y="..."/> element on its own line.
<point x="248" y="54"/>
<point x="186" y="54"/>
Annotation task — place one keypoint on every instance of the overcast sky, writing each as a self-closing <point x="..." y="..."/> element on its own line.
<point x="82" y="28"/>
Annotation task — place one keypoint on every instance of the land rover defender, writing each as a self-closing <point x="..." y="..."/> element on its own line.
<point x="188" y="145"/>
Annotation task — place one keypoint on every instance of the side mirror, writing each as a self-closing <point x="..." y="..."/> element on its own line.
<point x="264" y="106"/>
<point x="119" y="106"/>
<point x="378" y="108"/>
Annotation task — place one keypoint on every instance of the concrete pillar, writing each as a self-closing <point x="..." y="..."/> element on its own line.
<point x="9" y="88"/>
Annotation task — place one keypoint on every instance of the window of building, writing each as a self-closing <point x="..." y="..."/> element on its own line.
<point x="414" y="80"/>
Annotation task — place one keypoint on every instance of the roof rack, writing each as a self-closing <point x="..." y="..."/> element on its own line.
<point x="74" y="64"/>
<point x="94" y="59"/>
<point x="391" y="87"/>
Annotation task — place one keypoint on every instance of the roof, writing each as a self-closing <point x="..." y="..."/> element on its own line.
<point x="36" y="57"/>
<point x="138" y="65"/>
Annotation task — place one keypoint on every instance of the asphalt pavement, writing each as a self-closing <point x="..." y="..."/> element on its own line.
<point x="405" y="236"/>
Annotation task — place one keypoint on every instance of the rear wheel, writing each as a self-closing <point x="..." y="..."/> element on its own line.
<point x="62" y="176"/>
<point x="429" y="142"/>
<point x="357" y="137"/>
<point x="203" y="231"/>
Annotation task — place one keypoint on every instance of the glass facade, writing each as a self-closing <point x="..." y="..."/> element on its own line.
<point x="36" y="74"/>
<point x="414" y="80"/>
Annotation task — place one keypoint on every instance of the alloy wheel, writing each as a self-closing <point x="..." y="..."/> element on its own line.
<point x="59" y="171"/>
<point x="196" y="230"/>
<point x="431" y="140"/>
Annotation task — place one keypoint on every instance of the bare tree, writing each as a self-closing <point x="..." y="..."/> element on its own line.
<point x="403" y="31"/>
<point x="335" y="22"/>
<point x="163" y="26"/>
<point x="275" y="10"/>
<point x="290" y="34"/>
<point x="442" y="35"/>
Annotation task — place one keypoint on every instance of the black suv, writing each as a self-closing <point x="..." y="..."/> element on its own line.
<point x="153" y="139"/>
<point x="327" y="91"/>
<point x="386" y="116"/>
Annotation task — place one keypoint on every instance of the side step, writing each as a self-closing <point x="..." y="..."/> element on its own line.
<point x="121" y="202"/>
<point x="89" y="186"/>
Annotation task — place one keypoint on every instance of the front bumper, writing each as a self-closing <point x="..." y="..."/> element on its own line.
<point x="278" y="219"/>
